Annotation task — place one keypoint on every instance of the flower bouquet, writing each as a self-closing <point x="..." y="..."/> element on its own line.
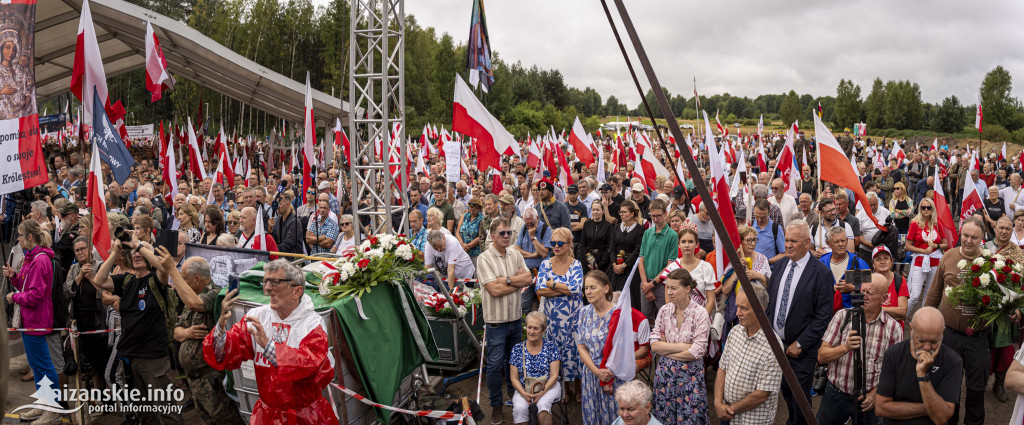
<point x="992" y="287"/>
<point x="384" y="258"/>
<point x="465" y="299"/>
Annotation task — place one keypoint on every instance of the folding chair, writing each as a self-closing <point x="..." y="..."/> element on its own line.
<point x="560" y="410"/>
<point x="647" y="373"/>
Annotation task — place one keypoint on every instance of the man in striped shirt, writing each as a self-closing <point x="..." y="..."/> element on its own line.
<point x="837" y="346"/>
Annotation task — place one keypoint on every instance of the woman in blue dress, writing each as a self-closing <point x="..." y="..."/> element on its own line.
<point x="560" y="284"/>
<point x="470" y="234"/>
<point x="599" y="407"/>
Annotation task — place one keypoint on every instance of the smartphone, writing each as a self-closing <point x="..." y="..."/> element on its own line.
<point x="232" y="282"/>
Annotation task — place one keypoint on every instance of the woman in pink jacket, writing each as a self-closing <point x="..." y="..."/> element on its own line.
<point x="34" y="282"/>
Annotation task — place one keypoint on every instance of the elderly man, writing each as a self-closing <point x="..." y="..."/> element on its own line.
<point x="839" y="261"/>
<point x="417" y="232"/>
<point x="819" y="240"/>
<point x="444" y="252"/>
<point x="144" y="337"/>
<point x="506" y="204"/>
<point x="288" y="344"/>
<point x="502" y="273"/>
<point x="922" y="378"/>
<point x="806" y="210"/>
<point x="322" y="230"/>
<point x="800" y="309"/>
<point x="533" y="245"/>
<point x="971" y="344"/>
<point x="785" y="202"/>
<point x="634" y="400"/>
<point x="808" y="184"/>
<point x="838" y="345"/>
<point x="287" y="229"/>
<point x="748" y="380"/>
<point x="867" y="226"/>
<point x="193" y="325"/>
<point x="249" y="237"/>
<point x="1011" y="194"/>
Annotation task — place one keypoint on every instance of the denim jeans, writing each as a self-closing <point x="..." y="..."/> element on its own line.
<point x="837" y="406"/>
<point x="38" y="352"/>
<point x="501" y="337"/>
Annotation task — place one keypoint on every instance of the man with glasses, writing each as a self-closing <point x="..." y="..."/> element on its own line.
<point x="658" y="248"/>
<point x="308" y="208"/>
<point x="287" y="343"/>
<point x="819" y="239"/>
<point x="837" y="346"/>
<point x="502" y="273"/>
<point x="507" y="205"/>
<point x="785" y="202"/>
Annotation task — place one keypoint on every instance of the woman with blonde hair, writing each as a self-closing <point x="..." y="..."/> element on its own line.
<point x="1017" y="236"/>
<point x="559" y="284"/>
<point x="901" y="207"/>
<point x="189" y="219"/>
<point x="926" y="241"/>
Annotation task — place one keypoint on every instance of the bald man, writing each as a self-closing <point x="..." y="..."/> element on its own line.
<point x="922" y="378"/>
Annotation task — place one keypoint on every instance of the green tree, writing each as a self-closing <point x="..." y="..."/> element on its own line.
<point x="791" y="107"/>
<point x="997" y="103"/>
<point x="848" y="106"/>
<point x="949" y="117"/>
<point x="874" y="105"/>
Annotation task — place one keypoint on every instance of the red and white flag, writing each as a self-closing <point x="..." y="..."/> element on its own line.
<point x="945" y="215"/>
<point x="762" y="158"/>
<point x="195" y="157"/>
<point x="167" y="164"/>
<point x="935" y="145"/>
<point x="564" y="173"/>
<point x="624" y="330"/>
<point x="1002" y="153"/>
<point x="533" y="157"/>
<point x="784" y="163"/>
<point x="87" y="71"/>
<point x="158" y="77"/>
<point x="972" y="201"/>
<point x="471" y="118"/>
<point x="977" y="117"/>
<point x="897" y="153"/>
<point x="581" y="143"/>
<point x="309" y="138"/>
<point x="720" y="198"/>
<point x="834" y="166"/>
<point x="95" y="202"/>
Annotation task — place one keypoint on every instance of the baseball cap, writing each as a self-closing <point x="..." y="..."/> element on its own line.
<point x="637" y="187"/>
<point x="879" y="249"/>
<point x="606" y="187"/>
<point x="572" y="189"/>
<point x="678" y="191"/>
<point x="547" y="174"/>
<point x="507" y="199"/>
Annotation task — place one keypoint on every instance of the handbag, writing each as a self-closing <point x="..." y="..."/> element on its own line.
<point x="717" y="324"/>
<point x="531" y="382"/>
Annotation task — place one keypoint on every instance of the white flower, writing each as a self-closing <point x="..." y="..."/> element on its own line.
<point x="364" y="245"/>
<point x="462" y="310"/>
<point x="404" y="252"/>
<point x="962" y="265"/>
<point x="979" y="261"/>
<point x="343" y="275"/>
<point x="348" y="268"/>
<point x="985" y="279"/>
<point x="323" y="288"/>
<point x="386" y="241"/>
<point x="986" y="253"/>
<point x="999" y="263"/>
<point x="948" y="290"/>
<point x="375" y="253"/>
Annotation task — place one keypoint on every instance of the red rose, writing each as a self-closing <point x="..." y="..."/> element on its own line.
<point x="1009" y="262"/>
<point x="975" y="268"/>
<point x="367" y="249"/>
<point x="976" y="282"/>
<point x="400" y="243"/>
<point x="401" y="235"/>
<point x="969" y="331"/>
<point x="985" y="299"/>
<point x="1015" y="278"/>
<point x="1007" y="269"/>
<point x="1001" y="278"/>
<point x="992" y="260"/>
<point x="363" y="263"/>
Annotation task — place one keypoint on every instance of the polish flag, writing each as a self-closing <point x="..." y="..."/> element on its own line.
<point x="1002" y="153"/>
<point x="87" y="71"/>
<point x="648" y="166"/>
<point x="723" y="130"/>
<point x="581" y="143"/>
<point x="784" y="163"/>
<point x="225" y="174"/>
<point x="167" y="165"/>
<point x="625" y="333"/>
<point x="195" y="158"/>
<point x="977" y="117"/>
<point x="534" y="155"/>
<point x="935" y="145"/>
<point x="157" y="76"/>
<point x="471" y="118"/>
<point x="496" y="184"/>
<point x="564" y="173"/>
<point x="722" y="203"/>
<point x="309" y="130"/>
<point x="834" y="166"/>
<point x="762" y="158"/>
<point x="760" y="127"/>
<point x="971" y="201"/>
<point x="897" y="153"/>
<point x="95" y="202"/>
<point x="945" y="215"/>
<point x="805" y="163"/>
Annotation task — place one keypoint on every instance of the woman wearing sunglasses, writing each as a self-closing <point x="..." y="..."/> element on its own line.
<point x="926" y="241"/>
<point x="559" y="285"/>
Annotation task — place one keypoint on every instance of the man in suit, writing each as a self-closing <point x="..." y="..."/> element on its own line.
<point x="799" y="309"/>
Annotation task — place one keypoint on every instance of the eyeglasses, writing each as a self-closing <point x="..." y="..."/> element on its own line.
<point x="346" y="224"/>
<point x="275" y="281"/>
<point x="750" y="240"/>
<point x="829" y="211"/>
<point x="656" y="216"/>
<point x="558" y="243"/>
<point x="505" y="233"/>
<point x="232" y="222"/>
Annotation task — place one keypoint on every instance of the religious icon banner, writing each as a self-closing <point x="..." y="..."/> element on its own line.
<point x="20" y="142"/>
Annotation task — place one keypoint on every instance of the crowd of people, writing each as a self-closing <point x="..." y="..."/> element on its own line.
<point x="551" y="257"/>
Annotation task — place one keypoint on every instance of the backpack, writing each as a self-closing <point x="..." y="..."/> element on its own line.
<point x="168" y="302"/>
<point x="60" y="308"/>
<point x="890" y="238"/>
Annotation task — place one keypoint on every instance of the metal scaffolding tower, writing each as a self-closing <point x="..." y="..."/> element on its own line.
<point x="377" y="97"/>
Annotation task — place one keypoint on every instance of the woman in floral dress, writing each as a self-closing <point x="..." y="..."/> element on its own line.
<point x="470" y="234"/>
<point x="560" y="284"/>
<point x="598" y="402"/>
<point x="680" y="336"/>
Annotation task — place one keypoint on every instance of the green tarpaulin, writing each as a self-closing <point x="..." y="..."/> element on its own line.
<point x="383" y="347"/>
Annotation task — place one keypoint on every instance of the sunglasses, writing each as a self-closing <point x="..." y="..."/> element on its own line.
<point x="558" y="243"/>
<point x="232" y="222"/>
<point x="926" y="208"/>
<point x="505" y="233"/>
<point x="346" y="224"/>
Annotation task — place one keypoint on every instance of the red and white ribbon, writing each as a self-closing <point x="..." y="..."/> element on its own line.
<point x="437" y="414"/>
<point x="72" y="330"/>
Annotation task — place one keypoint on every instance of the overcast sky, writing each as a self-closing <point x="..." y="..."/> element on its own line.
<point x="749" y="48"/>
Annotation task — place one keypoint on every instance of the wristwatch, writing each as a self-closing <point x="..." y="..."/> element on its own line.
<point x="925" y="378"/>
<point x="798" y="345"/>
<point x="508" y="280"/>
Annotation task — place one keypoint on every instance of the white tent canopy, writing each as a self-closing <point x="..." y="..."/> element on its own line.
<point x="121" y="31"/>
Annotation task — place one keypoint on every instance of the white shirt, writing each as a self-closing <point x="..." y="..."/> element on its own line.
<point x="799" y="265"/>
<point x="1012" y="199"/>
<point x="867" y="227"/>
<point x="787" y="206"/>
<point x="524" y="204"/>
<point x="594" y="196"/>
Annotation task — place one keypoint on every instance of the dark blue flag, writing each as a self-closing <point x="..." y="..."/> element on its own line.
<point x="111" y="148"/>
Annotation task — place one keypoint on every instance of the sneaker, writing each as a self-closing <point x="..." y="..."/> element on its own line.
<point x="508" y="402"/>
<point x="31" y="415"/>
<point x="47" y="418"/>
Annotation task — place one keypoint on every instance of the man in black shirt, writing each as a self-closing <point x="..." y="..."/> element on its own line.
<point x="577" y="211"/>
<point x="144" y="327"/>
<point x="920" y="378"/>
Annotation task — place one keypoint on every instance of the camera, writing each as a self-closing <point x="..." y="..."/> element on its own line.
<point x="121" y="235"/>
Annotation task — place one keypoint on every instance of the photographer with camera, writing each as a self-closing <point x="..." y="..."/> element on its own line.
<point x="842" y="395"/>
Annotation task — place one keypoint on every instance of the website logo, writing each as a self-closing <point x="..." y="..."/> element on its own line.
<point x="114" y="400"/>
<point x="46" y="399"/>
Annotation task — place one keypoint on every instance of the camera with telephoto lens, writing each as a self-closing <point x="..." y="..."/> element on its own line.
<point x="121" y="235"/>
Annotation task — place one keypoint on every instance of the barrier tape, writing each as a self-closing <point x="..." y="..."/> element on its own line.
<point x="71" y="330"/>
<point x="466" y="281"/>
<point x="436" y="414"/>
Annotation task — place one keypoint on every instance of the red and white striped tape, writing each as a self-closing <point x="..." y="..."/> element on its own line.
<point x="466" y="281"/>
<point x="437" y="414"/>
<point x="72" y="330"/>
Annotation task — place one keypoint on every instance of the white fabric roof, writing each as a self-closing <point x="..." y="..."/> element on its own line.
<point x="121" y="31"/>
